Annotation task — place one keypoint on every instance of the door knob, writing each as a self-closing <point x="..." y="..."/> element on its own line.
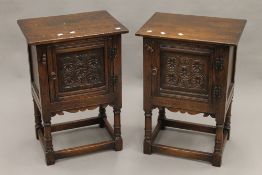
<point x="52" y="76"/>
<point x="154" y="71"/>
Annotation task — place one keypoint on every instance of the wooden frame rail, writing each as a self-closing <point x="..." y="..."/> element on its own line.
<point x="181" y="152"/>
<point x="84" y="149"/>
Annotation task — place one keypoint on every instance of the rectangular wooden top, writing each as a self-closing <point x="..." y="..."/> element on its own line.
<point x="193" y="28"/>
<point x="65" y="27"/>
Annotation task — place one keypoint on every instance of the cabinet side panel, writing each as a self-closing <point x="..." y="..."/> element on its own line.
<point x="148" y="49"/>
<point x="117" y="70"/>
<point x="34" y="69"/>
<point x="230" y="75"/>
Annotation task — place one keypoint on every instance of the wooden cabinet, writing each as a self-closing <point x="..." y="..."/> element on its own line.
<point x="75" y="64"/>
<point x="189" y="66"/>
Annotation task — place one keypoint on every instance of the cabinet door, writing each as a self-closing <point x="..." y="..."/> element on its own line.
<point x="79" y="69"/>
<point x="182" y="71"/>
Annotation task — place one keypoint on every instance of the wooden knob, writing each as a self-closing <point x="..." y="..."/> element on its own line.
<point x="53" y="75"/>
<point x="154" y="71"/>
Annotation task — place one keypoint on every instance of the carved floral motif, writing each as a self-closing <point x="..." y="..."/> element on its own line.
<point x="184" y="71"/>
<point x="80" y="70"/>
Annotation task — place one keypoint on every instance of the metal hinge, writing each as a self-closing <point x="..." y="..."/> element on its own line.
<point x="219" y="64"/>
<point x="112" y="53"/>
<point x="216" y="92"/>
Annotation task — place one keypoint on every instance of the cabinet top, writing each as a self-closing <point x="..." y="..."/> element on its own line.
<point x="65" y="27"/>
<point x="193" y="28"/>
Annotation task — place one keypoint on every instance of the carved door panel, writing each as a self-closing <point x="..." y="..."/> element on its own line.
<point x="79" y="68"/>
<point x="183" y="71"/>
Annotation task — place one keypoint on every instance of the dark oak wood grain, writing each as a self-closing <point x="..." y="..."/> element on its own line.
<point x="193" y="28"/>
<point x="189" y="67"/>
<point x="76" y="71"/>
<point x="67" y="27"/>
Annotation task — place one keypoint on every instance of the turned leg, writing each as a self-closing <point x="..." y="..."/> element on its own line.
<point x="117" y="129"/>
<point x="228" y="121"/>
<point x="102" y="115"/>
<point x="148" y="132"/>
<point x="161" y="117"/>
<point x="217" y="155"/>
<point x="38" y="120"/>
<point x="49" y="152"/>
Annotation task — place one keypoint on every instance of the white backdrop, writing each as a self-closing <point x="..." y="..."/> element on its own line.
<point x="21" y="154"/>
